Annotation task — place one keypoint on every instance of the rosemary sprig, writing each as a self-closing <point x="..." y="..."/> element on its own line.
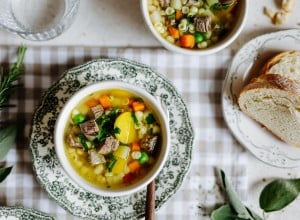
<point x="7" y="80"/>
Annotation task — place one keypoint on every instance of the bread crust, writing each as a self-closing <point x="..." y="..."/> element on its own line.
<point x="276" y="59"/>
<point x="269" y="86"/>
<point x="273" y="81"/>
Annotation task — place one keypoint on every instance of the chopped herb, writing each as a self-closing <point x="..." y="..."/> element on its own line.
<point x="117" y="130"/>
<point x="112" y="164"/>
<point x="150" y="119"/>
<point x="151" y="130"/>
<point x="219" y="7"/>
<point x="83" y="142"/>
<point x="136" y="122"/>
<point x="106" y="124"/>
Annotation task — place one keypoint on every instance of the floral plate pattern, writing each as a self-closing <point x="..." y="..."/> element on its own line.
<point x="246" y="64"/>
<point x="50" y="173"/>
<point x="19" y="213"/>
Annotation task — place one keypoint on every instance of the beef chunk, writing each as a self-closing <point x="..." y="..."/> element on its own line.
<point x="202" y="23"/>
<point x="89" y="129"/>
<point x="149" y="142"/>
<point x="164" y="3"/>
<point x="110" y="144"/>
<point x="96" y="158"/>
<point x="97" y="111"/>
<point x="73" y="142"/>
<point x="226" y="2"/>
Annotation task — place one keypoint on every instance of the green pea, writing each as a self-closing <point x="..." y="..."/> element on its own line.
<point x="79" y="118"/>
<point x="198" y="37"/>
<point x="144" y="158"/>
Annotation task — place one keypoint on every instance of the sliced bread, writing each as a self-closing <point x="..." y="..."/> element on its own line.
<point x="286" y="64"/>
<point x="273" y="98"/>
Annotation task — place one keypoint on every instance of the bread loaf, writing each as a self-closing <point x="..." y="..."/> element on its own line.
<point x="273" y="98"/>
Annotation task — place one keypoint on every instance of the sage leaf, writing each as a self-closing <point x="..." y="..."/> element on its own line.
<point x="7" y="139"/>
<point x="225" y="212"/>
<point x="242" y="211"/>
<point x="278" y="194"/>
<point x="4" y="172"/>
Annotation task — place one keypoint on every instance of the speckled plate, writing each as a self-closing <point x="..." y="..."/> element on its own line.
<point x="20" y="213"/>
<point x="50" y="173"/>
<point x="246" y="64"/>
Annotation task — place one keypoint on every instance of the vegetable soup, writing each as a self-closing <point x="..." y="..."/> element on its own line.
<point x="112" y="138"/>
<point x="194" y="24"/>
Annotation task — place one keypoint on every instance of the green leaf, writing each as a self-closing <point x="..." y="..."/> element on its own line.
<point x="7" y="80"/>
<point x="7" y="139"/>
<point x="4" y="172"/>
<point x="150" y="119"/>
<point x="242" y="211"/>
<point x="278" y="194"/>
<point x="225" y="212"/>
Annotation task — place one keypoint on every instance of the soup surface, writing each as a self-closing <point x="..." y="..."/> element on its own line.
<point x="194" y="24"/>
<point x="111" y="138"/>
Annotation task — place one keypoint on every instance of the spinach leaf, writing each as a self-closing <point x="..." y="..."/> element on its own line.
<point x="278" y="194"/>
<point x="4" y="172"/>
<point x="225" y="212"/>
<point x="7" y="139"/>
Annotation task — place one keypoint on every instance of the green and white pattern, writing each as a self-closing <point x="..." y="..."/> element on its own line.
<point x="50" y="173"/>
<point x="19" y="213"/>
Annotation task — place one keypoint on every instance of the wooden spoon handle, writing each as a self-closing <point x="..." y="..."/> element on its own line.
<point x="150" y="201"/>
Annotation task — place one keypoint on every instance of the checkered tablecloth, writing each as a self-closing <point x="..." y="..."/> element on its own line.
<point x="197" y="79"/>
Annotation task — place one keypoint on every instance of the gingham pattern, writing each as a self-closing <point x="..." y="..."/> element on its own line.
<point x="198" y="79"/>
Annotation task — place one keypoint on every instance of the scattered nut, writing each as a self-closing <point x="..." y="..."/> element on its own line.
<point x="269" y="12"/>
<point x="288" y="5"/>
<point x="280" y="18"/>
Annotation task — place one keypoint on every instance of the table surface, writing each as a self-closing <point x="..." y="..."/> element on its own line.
<point x="99" y="24"/>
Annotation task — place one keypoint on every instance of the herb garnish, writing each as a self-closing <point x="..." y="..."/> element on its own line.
<point x="106" y="124"/>
<point x="135" y="120"/>
<point x="6" y="81"/>
<point x="8" y="134"/>
<point x="235" y="209"/>
<point x="278" y="194"/>
<point x="150" y="119"/>
<point x="275" y="196"/>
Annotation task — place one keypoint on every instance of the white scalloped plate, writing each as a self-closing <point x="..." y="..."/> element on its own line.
<point x="245" y="64"/>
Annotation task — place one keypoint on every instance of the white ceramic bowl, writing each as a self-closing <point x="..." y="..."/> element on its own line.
<point x="61" y="122"/>
<point x="240" y="20"/>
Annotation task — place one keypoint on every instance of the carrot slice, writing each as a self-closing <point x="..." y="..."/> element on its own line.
<point x="174" y="32"/>
<point x="178" y="15"/>
<point x="187" y="41"/>
<point x="92" y="102"/>
<point x="105" y="102"/>
<point x="135" y="146"/>
<point x="138" y="106"/>
<point x="134" y="166"/>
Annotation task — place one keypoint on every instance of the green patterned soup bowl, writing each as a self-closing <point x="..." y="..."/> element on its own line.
<point x="112" y="138"/>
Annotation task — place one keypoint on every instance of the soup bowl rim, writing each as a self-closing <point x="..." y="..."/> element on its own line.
<point x="74" y="100"/>
<point x="232" y="36"/>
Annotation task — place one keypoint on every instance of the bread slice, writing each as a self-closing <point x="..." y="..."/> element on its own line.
<point x="273" y="98"/>
<point x="285" y="63"/>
